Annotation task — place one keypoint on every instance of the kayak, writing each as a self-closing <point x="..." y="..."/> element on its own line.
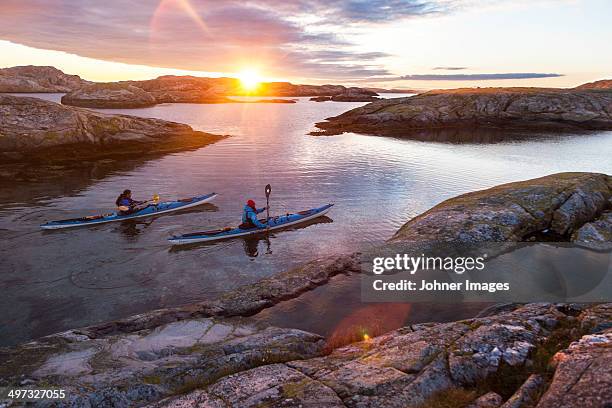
<point x="274" y="223"/>
<point x="150" y="210"/>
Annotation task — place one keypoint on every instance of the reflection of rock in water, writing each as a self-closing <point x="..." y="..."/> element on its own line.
<point x="102" y="278"/>
<point x="41" y="181"/>
<point x="474" y="135"/>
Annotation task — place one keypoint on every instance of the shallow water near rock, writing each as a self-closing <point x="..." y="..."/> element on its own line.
<point x="55" y="280"/>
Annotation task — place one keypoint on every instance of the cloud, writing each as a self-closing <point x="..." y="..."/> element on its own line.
<point x="220" y="35"/>
<point x="474" y="77"/>
<point x="449" y="68"/>
<point x="387" y="10"/>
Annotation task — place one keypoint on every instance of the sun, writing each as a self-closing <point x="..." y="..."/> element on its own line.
<point x="249" y="79"/>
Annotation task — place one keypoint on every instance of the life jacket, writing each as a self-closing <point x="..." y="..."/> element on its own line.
<point x="119" y="200"/>
<point x="246" y="215"/>
<point x="123" y="203"/>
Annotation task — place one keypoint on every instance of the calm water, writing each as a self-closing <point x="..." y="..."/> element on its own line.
<point x="56" y="280"/>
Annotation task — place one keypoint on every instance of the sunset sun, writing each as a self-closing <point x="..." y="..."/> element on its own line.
<point x="249" y="79"/>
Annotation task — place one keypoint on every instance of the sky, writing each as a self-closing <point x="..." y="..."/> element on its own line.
<point x="420" y="44"/>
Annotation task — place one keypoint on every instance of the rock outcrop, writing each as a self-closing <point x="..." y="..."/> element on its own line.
<point x="598" y="231"/>
<point x="349" y="95"/>
<point x="187" y="89"/>
<point x="131" y="369"/>
<point x="109" y="95"/>
<point x="602" y="84"/>
<point x="38" y="79"/>
<point x="37" y="131"/>
<point x="222" y="363"/>
<point x="559" y="204"/>
<point x="583" y="375"/>
<point x="355" y="95"/>
<point x="506" y="108"/>
<point x="289" y="89"/>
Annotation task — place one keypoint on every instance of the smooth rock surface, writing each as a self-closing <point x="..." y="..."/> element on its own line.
<point x="129" y="370"/>
<point x="561" y="203"/>
<point x="507" y="108"/>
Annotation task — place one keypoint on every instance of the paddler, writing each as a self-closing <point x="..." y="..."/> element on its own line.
<point x="125" y="203"/>
<point x="249" y="216"/>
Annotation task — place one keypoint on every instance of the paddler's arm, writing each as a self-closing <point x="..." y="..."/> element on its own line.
<point x="255" y="221"/>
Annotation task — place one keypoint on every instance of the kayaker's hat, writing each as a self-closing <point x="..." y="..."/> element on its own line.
<point x="127" y="192"/>
<point x="251" y="203"/>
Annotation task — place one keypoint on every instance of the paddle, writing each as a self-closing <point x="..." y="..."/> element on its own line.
<point x="268" y="191"/>
<point x="154" y="200"/>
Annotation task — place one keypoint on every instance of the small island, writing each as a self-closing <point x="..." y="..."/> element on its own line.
<point x="507" y="109"/>
<point x="37" y="133"/>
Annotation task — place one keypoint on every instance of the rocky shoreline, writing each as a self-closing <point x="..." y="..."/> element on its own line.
<point x="209" y="354"/>
<point x="539" y="109"/>
<point x="38" y="134"/>
<point x="184" y="89"/>
<point x="125" y="95"/>
<point x="164" y="89"/>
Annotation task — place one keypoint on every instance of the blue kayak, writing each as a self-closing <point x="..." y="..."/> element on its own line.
<point x="274" y="223"/>
<point x="150" y="210"/>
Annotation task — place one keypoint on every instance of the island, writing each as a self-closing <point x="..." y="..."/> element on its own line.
<point x="352" y="94"/>
<point x="210" y="354"/>
<point x="35" y="132"/>
<point x="505" y="109"/>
